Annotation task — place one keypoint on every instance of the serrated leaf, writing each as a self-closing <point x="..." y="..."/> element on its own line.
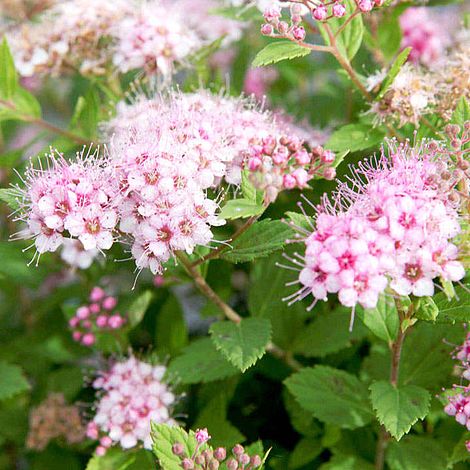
<point x="382" y="320"/>
<point x="331" y="395"/>
<point x="164" y="436"/>
<point x="416" y="453"/>
<point x="398" y="408"/>
<point x="12" y="380"/>
<point x="279" y="50"/>
<point x="319" y="338"/>
<point x="242" y="343"/>
<point x="239" y="208"/>
<point x="260" y="240"/>
<point x="393" y="72"/>
<point x="427" y="309"/>
<point x="8" y="75"/>
<point x="461" y="112"/>
<point x="301" y="221"/>
<point x="355" y="137"/>
<point x="350" y="39"/>
<point x="457" y="309"/>
<point x="11" y="197"/>
<point x="200" y="362"/>
<point x="138" y="307"/>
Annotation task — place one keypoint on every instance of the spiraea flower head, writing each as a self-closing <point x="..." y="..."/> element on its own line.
<point x="131" y="394"/>
<point x="392" y="224"/>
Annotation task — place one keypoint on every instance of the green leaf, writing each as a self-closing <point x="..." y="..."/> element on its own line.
<point x="118" y="459"/>
<point x="319" y="339"/>
<point x="347" y="462"/>
<point x="456" y="309"/>
<point x="11" y="197"/>
<point x="350" y="39"/>
<point x="200" y="362"/>
<point x="8" y="75"/>
<point x="265" y="300"/>
<point x="398" y="408"/>
<point x="416" y="453"/>
<point x="242" y="343"/>
<point x="355" y="137"/>
<point x="260" y="240"/>
<point x="300" y="220"/>
<point x="389" y="34"/>
<point x="171" y="331"/>
<point x="279" y="50"/>
<point x="164" y="437"/>
<point x="66" y="380"/>
<point x="249" y="191"/>
<point x="12" y="380"/>
<point x="461" y="112"/>
<point x="306" y="450"/>
<point x="86" y="113"/>
<point x="26" y="104"/>
<point x="426" y="309"/>
<point x="239" y="208"/>
<point x="138" y="307"/>
<point x="331" y="395"/>
<point x="460" y="452"/>
<point x="393" y="72"/>
<point x="382" y="320"/>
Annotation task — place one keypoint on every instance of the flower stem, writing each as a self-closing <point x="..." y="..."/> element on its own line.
<point x="396" y="348"/>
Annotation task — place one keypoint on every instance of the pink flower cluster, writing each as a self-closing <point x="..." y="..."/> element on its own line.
<point x="424" y="34"/>
<point x="73" y="197"/>
<point x="133" y="395"/>
<point x="98" y="316"/>
<point x="286" y="163"/>
<point x="392" y="225"/>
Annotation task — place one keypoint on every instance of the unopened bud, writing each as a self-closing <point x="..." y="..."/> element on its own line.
<point x="231" y="464"/>
<point x="256" y="461"/>
<point x="329" y="174"/>
<point x="320" y="13"/>
<point x="452" y="129"/>
<point x="187" y="464"/>
<point x="365" y="5"/>
<point x="244" y="459"/>
<point x="338" y="10"/>
<point x="177" y="448"/>
<point x="456" y="143"/>
<point x="200" y="460"/>
<point x="267" y="29"/>
<point x="282" y="27"/>
<point x="298" y="33"/>
<point x="238" y="450"/>
<point x="220" y="453"/>
<point x="214" y="465"/>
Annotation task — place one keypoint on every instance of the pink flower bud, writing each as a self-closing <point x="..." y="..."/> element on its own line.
<point x="320" y="13"/>
<point x="86" y="324"/>
<point x="106" y="441"/>
<point x="254" y="163"/>
<point x="282" y="27"/>
<point x="238" y="450"/>
<point x="220" y="453"/>
<point x="177" y="448"/>
<point x="329" y="174"/>
<point x="467" y="445"/>
<point x="267" y="29"/>
<point x="280" y="156"/>
<point x="298" y="32"/>
<point x="339" y="10"/>
<point x="232" y="464"/>
<point x="365" y="5"/>
<point x="88" y="339"/>
<point x="76" y="335"/>
<point x="379" y="3"/>
<point x="302" y="157"/>
<point x="202" y="435"/>
<point x="96" y="294"/>
<point x="328" y="157"/>
<point x="109" y="303"/>
<point x="296" y="19"/>
<point x="244" y="459"/>
<point x="83" y="312"/>
<point x="289" y="182"/>
<point x="271" y="14"/>
<point x="101" y="321"/>
<point x="187" y="464"/>
<point x="295" y="9"/>
<point x="256" y="461"/>
<point x="92" y="430"/>
<point x="301" y="176"/>
<point x="115" y="321"/>
<point x="73" y="322"/>
<point x="100" y="451"/>
<point x="95" y="308"/>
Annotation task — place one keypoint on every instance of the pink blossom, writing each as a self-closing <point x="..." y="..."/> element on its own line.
<point x="202" y="435"/>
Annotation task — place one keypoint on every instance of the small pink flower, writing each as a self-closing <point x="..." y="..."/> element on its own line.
<point x="109" y="303"/>
<point x="267" y="29"/>
<point x="202" y="435"/>
<point x="88" y="339"/>
<point x="96" y="294"/>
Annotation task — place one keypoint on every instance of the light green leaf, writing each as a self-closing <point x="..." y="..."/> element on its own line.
<point x="86" y="113"/>
<point x="119" y="459"/>
<point x="138" y="307"/>
<point x="279" y="50"/>
<point x="426" y="309"/>
<point x="300" y="220"/>
<point x="11" y="197"/>
<point x="260" y="240"/>
<point x="457" y="309"/>
<point x="355" y="137"/>
<point x="8" y="75"/>
<point x="242" y="343"/>
<point x="331" y="395"/>
<point x="26" y="104"/>
<point x="200" y="362"/>
<point x="461" y="112"/>
<point x="249" y="191"/>
<point x="393" y="72"/>
<point x="416" y="453"/>
<point x="319" y="339"/>
<point x="382" y="320"/>
<point x="398" y="408"/>
<point x="12" y="380"/>
<point x="350" y="39"/>
<point x="239" y="208"/>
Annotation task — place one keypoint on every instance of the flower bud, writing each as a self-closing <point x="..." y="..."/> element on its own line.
<point x="76" y="335"/>
<point x="96" y="294"/>
<point x="329" y="174"/>
<point x="100" y="451"/>
<point x="298" y="32"/>
<point x="244" y="459"/>
<point x="282" y="27"/>
<point x="289" y="182"/>
<point x="365" y="5"/>
<point x="200" y="460"/>
<point x="256" y="461"/>
<point x="302" y="157"/>
<point x="327" y="157"/>
<point x="202" y="435"/>
<point x="83" y="312"/>
<point x="339" y="10"/>
<point x="267" y="29"/>
<point x="220" y="453"/>
<point x="109" y="303"/>
<point x="320" y="13"/>
<point x="271" y="14"/>
<point x="88" y="339"/>
<point x="238" y="450"/>
<point x="231" y="464"/>
<point x="177" y="448"/>
<point x="187" y="464"/>
<point x="254" y="163"/>
<point x="101" y="321"/>
<point x="214" y="465"/>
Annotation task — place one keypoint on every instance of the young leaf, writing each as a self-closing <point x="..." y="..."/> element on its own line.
<point x="398" y="408"/>
<point x="138" y="307"/>
<point x="461" y="112"/>
<point x="382" y="320"/>
<point x="242" y="343"/>
<point x="260" y="240"/>
<point x="427" y="309"/>
<point x="279" y="50"/>
<point x="393" y="72"/>
<point x="12" y="380"/>
<point x="355" y="137"/>
<point x="8" y="75"/>
<point x="349" y="39"/>
<point x="239" y="208"/>
<point x="10" y="196"/>
<point x="200" y="362"/>
<point x="331" y="395"/>
<point x="416" y="453"/>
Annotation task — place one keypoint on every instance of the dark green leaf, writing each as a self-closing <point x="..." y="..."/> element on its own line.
<point x="12" y="380"/>
<point x="455" y="310"/>
<point x="138" y="307"/>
